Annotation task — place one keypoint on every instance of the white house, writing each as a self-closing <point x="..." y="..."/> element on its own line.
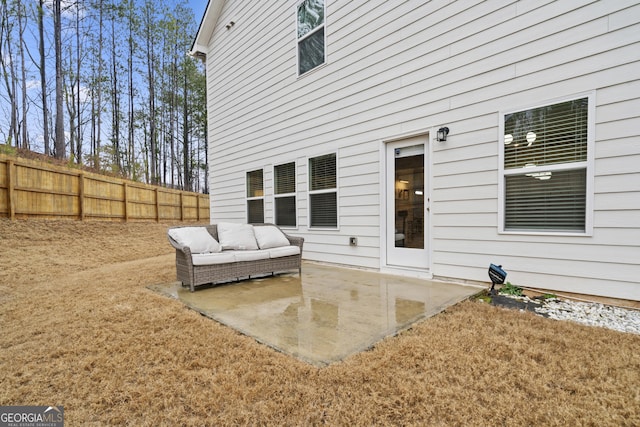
<point x="324" y="118"/>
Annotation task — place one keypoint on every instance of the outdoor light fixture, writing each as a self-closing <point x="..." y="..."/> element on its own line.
<point x="442" y="133"/>
<point x="497" y="276"/>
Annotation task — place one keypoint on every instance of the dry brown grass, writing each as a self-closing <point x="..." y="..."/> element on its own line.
<point x="80" y="329"/>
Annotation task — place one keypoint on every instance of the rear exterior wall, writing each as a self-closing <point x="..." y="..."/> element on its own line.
<point x="400" y="68"/>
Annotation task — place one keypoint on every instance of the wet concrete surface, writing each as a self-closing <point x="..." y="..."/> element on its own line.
<point x="325" y="315"/>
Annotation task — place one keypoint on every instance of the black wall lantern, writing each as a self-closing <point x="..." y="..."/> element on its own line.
<point x="442" y="133"/>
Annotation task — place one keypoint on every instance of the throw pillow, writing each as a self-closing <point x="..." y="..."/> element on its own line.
<point x="197" y="239"/>
<point x="269" y="236"/>
<point x="237" y="236"/>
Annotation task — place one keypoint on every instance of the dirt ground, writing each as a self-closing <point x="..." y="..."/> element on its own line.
<point x="80" y="329"/>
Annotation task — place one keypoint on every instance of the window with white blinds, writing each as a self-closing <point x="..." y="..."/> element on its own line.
<point x="323" y="192"/>
<point x="285" y="195"/>
<point x="255" y="197"/>
<point x="545" y="167"/>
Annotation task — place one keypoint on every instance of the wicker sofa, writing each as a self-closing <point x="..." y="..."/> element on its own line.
<point x="228" y="251"/>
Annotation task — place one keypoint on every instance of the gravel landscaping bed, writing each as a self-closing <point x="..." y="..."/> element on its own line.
<point x="587" y="313"/>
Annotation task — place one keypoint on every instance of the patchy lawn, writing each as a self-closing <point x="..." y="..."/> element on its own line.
<point x="80" y="329"/>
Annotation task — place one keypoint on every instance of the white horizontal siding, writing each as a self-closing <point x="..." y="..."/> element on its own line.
<point x="398" y="67"/>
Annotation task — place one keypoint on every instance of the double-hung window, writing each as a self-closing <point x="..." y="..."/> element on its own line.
<point x="323" y="192"/>
<point x="255" y="197"/>
<point x="546" y="168"/>
<point x="285" y="194"/>
<point x="310" y="33"/>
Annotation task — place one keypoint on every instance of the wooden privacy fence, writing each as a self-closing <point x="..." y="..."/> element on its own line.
<point x="31" y="189"/>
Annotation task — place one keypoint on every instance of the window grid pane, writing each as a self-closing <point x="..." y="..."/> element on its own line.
<point x="551" y="201"/>
<point x="311" y="51"/>
<point x="310" y="16"/>
<point x="286" y="211"/>
<point x="323" y="172"/>
<point x="285" y="177"/>
<point x="324" y="212"/>
<point x="255" y="211"/>
<point x="255" y="184"/>
<point x="553" y="134"/>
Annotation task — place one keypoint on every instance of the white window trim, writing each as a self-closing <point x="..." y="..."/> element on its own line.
<point x="298" y="39"/>
<point x="588" y="165"/>
<point x="334" y="190"/>
<point x="294" y="194"/>
<point x="247" y="198"/>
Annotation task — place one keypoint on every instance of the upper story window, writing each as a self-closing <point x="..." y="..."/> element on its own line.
<point x="323" y="191"/>
<point x="255" y="197"/>
<point x="545" y="168"/>
<point x="311" y="41"/>
<point x="285" y="194"/>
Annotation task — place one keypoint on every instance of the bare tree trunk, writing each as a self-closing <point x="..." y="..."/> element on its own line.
<point x="70" y="98"/>
<point x="131" y="146"/>
<point x="149" y="25"/>
<point x="96" y="160"/>
<point x="14" y="127"/>
<point x="21" y="27"/>
<point x="57" y="35"/>
<point x="185" y="133"/>
<point x="43" y="79"/>
<point x="115" y="98"/>
<point x="78" y="153"/>
<point x="172" y="121"/>
<point x="8" y="72"/>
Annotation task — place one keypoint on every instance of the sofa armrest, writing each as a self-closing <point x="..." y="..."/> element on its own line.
<point x="296" y="241"/>
<point x="184" y="249"/>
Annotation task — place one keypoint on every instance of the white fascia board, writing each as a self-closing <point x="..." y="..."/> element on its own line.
<point x="207" y="26"/>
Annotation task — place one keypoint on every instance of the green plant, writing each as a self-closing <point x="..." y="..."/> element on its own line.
<point x="549" y="296"/>
<point x="510" y="289"/>
<point x="7" y="149"/>
<point x="484" y="298"/>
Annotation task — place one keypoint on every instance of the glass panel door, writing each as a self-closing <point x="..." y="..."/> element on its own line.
<point x="407" y="201"/>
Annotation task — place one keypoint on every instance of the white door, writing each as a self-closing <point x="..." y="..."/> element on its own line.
<point x="407" y="208"/>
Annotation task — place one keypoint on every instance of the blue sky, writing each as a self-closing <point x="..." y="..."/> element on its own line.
<point x="198" y="7"/>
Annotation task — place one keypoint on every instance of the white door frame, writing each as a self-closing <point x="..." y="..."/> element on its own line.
<point x="385" y="170"/>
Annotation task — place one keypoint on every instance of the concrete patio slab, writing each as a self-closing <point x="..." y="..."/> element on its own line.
<point x="327" y="314"/>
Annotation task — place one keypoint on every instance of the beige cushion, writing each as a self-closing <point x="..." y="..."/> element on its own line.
<point x="197" y="239"/>
<point x="237" y="236"/>
<point x="210" y="259"/>
<point x="250" y="255"/>
<point x="284" y="251"/>
<point x="269" y="236"/>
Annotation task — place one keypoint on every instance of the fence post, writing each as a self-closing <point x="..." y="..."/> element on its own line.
<point x="81" y="194"/>
<point x="181" y="206"/>
<point x="157" y="206"/>
<point x="126" y="202"/>
<point x="198" y="207"/>
<point x="10" y="193"/>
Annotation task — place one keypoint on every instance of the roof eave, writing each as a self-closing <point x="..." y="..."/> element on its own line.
<point x="208" y="24"/>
